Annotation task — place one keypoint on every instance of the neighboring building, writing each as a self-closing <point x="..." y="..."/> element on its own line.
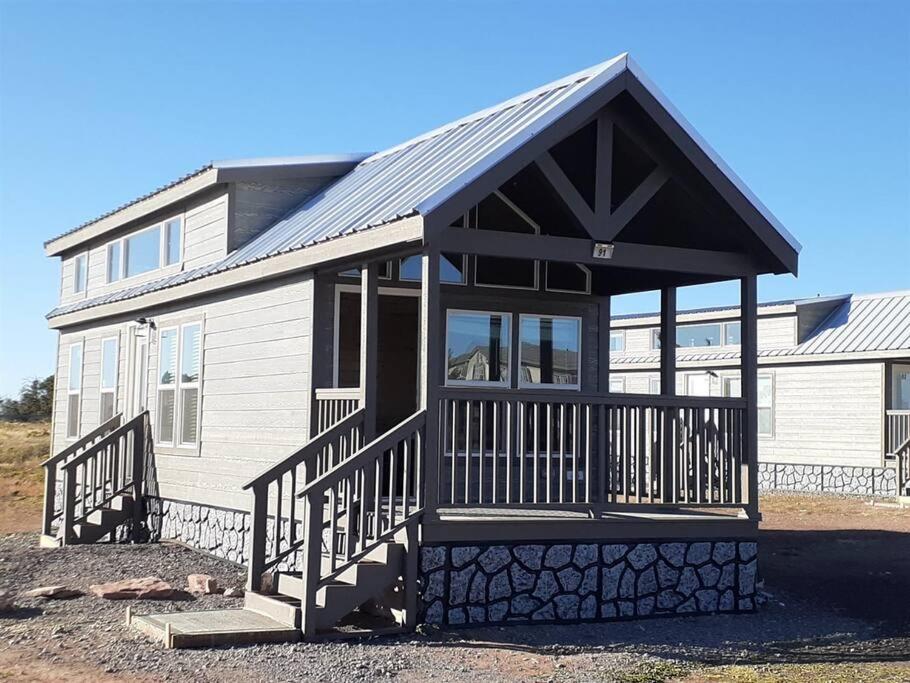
<point x="833" y="383"/>
<point x="343" y="370"/>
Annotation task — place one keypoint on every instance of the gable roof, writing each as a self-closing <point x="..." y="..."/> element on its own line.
<point x="417" y="176"/>
<point x="862" y="323"/>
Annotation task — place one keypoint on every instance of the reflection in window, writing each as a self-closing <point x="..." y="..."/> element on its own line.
<point x="732" y="334"/>
<point x="549" y="351"/>
<point x="172" y="242"/>
<point x="385" y="271"/>
<point x="617" y="341"/>
<point x="451" y="268"/>
<point x="143" y="251"/>
<point x="477" y="347"/>
<point x="109" y="353"/>
<point x="80" y="276"/>
<point x="698" y="335"/>
<point x="113" y="261"/>
<point x="765" y="405"/>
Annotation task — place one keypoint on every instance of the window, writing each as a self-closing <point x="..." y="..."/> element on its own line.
<point x="702" y="335"/>
<point x="113" y="261"/>
<point x="567" y="277"/>
<point x="698" y="385"/>
<point x="655" y="339"/>
<point x="550" y="351"/>
<point x="900" y="387"/>
<point x="654" y="385"/>
<point x="385" y="271"/>
<point x="617" y="341"/>
<point x="477" y="347"/>
<point x="498" y="212"/>
<point x="172" y="242"/>
<point x="617" y="385"/>
<point x="511" y="273"/>
<point x="451" y="268"/>
<point x="142" y="252"/>
<point x="109" y="362"/>
<point x="178" y="387"/>
<point x="765" y="405"/>
<point x="80" y="273"/>
<point x="733" y="387"/>
<point x="74" y="391"/>
<point x="732" y="334"/>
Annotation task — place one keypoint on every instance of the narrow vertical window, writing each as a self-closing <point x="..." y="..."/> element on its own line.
<point x="113" y="261"/>
<point x="477" y="347"/>
<point x="167" y="384"/>
<point x="80" y="273"/>
<point x="109" y="362"/>
<point x="550" y="351"/>
<point x="765" y="405"/>
<point x="74" y="391"/>
<point x="189" y="384"/>
<point x="618" y="341"/>
<point x="172" y="242"/>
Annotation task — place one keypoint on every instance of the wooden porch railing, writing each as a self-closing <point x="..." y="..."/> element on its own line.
<point x="333" y="405"/>
<point x="360" y="504"/>
<point x="108" y="467"/>
<point x="53" y="504"/>
<point x="563" y="449"/>
<point x="898" y="429"/>
<point x="277" y="488"/>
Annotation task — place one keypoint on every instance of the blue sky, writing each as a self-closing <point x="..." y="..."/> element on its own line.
<point x="809" y="102"/>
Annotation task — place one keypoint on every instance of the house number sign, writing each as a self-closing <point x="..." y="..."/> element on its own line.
<point x="603" y="250"/>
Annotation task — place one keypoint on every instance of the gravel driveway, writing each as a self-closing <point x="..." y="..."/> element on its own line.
<point x="85" y="639"/>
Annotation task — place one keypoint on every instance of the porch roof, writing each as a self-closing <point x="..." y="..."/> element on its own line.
<point x="417" y="176"/>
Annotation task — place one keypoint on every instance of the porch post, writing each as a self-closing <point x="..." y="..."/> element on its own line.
<point x="749" y="382"/>
<point x="603" y="357"/>
<point x="369" y="347"/>
<point x="430" y="360"/>
<point x="668" y="460"/>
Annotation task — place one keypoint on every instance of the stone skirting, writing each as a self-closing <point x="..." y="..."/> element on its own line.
<point x="548" y="582"/>
<point x="864" y="481"/>
<point x="222" y="533"/>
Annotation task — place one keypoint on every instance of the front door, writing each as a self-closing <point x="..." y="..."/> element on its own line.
<point x="398" y="348"/>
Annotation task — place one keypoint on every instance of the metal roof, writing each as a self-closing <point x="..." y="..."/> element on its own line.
<point x="417" y="176"/>
<point x="862" y="323"/>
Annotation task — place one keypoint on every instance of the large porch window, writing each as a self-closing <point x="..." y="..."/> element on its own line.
<point x="477" y="348"/>
<point x="550" y="348"/>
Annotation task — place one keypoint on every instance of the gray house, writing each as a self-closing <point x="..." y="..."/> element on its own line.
<point x="387" y="377"/>
<point x="833" y="384"/>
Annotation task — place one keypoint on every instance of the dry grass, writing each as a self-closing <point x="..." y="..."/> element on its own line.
<point x="23" y="446"/>
<point x="867" y="672"/>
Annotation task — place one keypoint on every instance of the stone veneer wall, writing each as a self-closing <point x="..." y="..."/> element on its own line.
<point x="469" y="584"/>
<point x="222" y="533"/>
<point x="864" y="481"/>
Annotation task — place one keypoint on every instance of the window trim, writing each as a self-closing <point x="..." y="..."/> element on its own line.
<point x="83" y="256"/>
<point x="162" y="249"/>
<point x="622" y="335"/>
<point x="490" y="384"/>
<point x="770" y="434"/>
<point x="176" y="447"/>
<point x="197" y="385"/>
<point x="654" y="333"/>
<point x="74" y="392"/>
<point x="102" y="390"/>
<point x="547" y="385"/>
<point x="622" y="382"/>
<point x="584" y="269"/>
<point x="172" y="386"/>
<point x="107" y="262"/>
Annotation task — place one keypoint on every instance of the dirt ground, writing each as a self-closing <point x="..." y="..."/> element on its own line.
<point x="837" y="571"/>
<point x="23" y="446"/>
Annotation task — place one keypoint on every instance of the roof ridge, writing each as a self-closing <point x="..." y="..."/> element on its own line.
<point x="563" y="82"/>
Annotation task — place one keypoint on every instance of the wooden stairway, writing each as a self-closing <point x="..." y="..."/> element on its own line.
<point x="103" y="477"/>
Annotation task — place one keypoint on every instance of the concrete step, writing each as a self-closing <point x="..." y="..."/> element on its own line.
<point x="212" y="628"/>
<point x="281" y="608"/>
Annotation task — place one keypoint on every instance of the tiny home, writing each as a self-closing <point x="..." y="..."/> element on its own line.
<point x="833" y="384"/>
<point x="359" y="373"/>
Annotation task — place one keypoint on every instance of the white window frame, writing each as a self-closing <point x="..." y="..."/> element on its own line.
<point x="727" y="380"/>
<point x="723" y="333"/>
<point x="162" y="250"/>
<point x="583" y="268"/>
<point x="692" y="375"/>
<point x="622" y="384"/>
<point x="464" y="272"/>
<point x="107" y="262"/>
<point x="651" y="383"/>
<point x="507" y="382"/>
<point x="545" y="385"/>
<point x="102" y="390"/>
<point x="178" y="386"/>
<point x="622" y="335"/>
<point x="769" y="434"/>
<point x="654" y="333"/>
<point x="536" y="230"/>
<point x="83" y="258"/>
<point x="72" y="436"/>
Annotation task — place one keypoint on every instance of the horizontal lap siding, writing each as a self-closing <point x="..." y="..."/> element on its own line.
<point x="255" y="393"/>
<point x="205" y="240"/>
<point x="826" y="414"/>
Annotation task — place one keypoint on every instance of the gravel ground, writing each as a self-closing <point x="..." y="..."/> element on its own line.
<point x="85" y="639"/>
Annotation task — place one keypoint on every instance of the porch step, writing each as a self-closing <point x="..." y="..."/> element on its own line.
<point x="370" y="578"/>
<point x="104" y="520"/>
<point x="282" y="608"/>
<point x="214" y="627"/>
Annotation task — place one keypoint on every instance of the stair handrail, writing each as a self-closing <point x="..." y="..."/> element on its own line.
<point x="350" y="427"/>
<point x="50" y="468"/>
<point x="114" y="464"/>
<point x="355" y="481"/>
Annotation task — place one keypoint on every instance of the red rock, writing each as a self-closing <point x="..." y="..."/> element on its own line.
<point x="148" y="588"/>
<point x="202" y="583"/>
<point x="52" y="593"/>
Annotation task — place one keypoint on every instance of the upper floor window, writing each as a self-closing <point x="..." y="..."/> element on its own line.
<point x="80" y="273"/>
<point x="617" y="341"/>
<point x="702" y="335"/>
<point x="145" y="251"/>
<point x="384" y="268"/>
<point x="550" y="349"/>
<point x="477" y="347"/>
<point x="451" y="268"/>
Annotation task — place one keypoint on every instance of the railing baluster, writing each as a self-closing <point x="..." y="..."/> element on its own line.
<point x="495" y="474"/>
<point x="483" y="445"/>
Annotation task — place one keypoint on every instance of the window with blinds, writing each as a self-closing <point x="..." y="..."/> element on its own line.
<point x="179" y="369"/>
